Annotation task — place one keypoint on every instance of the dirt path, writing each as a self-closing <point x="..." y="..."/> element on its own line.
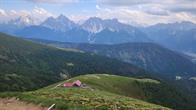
<point x="14" y="104"/>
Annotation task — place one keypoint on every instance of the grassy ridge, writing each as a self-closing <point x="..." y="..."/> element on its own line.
<point x="144" y="89"/>
<point x="99" y="96"/>
<point x="111" y="92"/>
<point x="117" y="84"/>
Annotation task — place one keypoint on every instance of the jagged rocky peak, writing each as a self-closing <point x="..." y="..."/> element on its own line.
<point x="61" y="23"/>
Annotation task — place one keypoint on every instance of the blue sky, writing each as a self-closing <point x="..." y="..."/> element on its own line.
<point x="54" y="7"/>
<point x="142" y="12"/>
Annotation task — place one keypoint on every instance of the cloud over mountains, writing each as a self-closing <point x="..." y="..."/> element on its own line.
<point x="37" y="13"/>
<point x="142" y="12"/>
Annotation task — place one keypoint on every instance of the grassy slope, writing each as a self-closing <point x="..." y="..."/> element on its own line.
<point x="104" y="95"/>
<point x="25" y="65"/>
<point x="144" y="89"/>
<point x="150" y="56"/>
<point x="111" y="91"/>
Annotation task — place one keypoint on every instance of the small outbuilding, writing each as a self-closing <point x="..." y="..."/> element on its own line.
<point x="77" y="83"/>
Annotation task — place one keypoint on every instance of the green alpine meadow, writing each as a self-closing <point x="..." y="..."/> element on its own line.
<point x="97" y="55"/>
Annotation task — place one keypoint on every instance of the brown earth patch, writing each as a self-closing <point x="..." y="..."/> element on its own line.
<point x="14" y="104"/>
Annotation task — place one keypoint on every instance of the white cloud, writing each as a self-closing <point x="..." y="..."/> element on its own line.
<point x="148" y="12"/>
<point x="98" y="7"/>
<point x="153" y="9"/>
<point x="183" y="16"/>
<point x="137" y="15"/>
<point x="143" y="12"/>
<point x="79" y="18"/>
<point x="128" y="15"/>
<point x="133" y="2"/>
<point x="170" y="5"/>
<point x="54" y="1"/>
<point x="2" y="12"/>
<point x="139" y="2"/>
<point x="40" y="12"/>
<point x="37" y="13"/>
<point x="3" y="15"/>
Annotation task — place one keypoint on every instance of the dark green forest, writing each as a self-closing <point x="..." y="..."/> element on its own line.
<point x="25" y="65"/>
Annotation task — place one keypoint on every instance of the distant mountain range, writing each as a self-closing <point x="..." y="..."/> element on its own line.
<point x="176" y="36"/>
<point x="93" y="30"/>
<point x="14" y="25"/>
<point x="22" y="21"/>
<point x="60" y="23"/>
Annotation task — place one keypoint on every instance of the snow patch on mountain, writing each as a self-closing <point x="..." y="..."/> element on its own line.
<point x="23" y="21"/>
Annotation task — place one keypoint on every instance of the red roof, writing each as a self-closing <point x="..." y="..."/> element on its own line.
<point x="68" y="84"/>
<point x="75" y="83"/>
